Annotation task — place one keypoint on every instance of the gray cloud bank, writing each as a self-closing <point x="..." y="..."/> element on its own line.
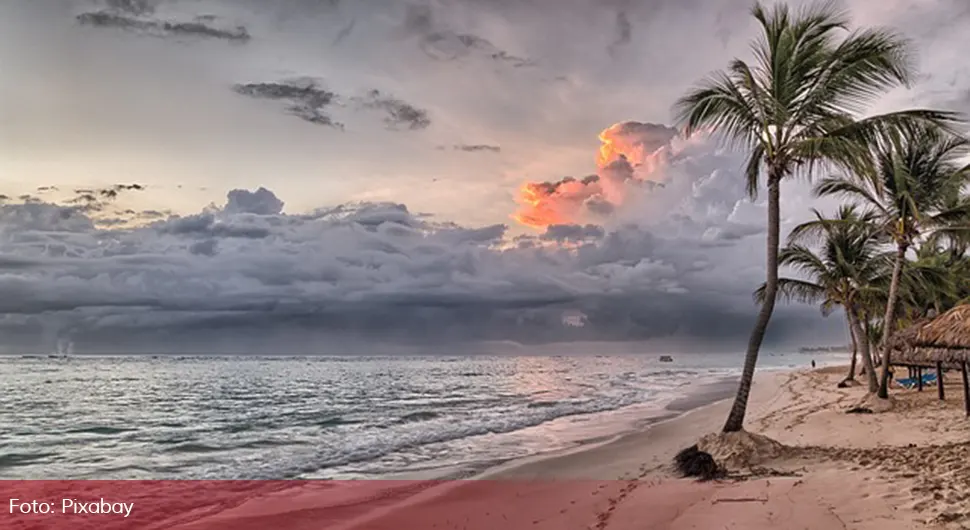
<point x="249" y="277"/>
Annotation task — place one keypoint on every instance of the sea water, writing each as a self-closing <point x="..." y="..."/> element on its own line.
<point x="334" y="417"/>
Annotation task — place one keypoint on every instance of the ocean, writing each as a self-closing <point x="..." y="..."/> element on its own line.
<point x="161" y="417"/>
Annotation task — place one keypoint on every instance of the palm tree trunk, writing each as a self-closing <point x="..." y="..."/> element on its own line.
<point x="855" y="347"/>
<point x="863" y="337"/>
<point x="870" y="339"/>
<point x="735" y="420"/>
<point x="889" y="322"/>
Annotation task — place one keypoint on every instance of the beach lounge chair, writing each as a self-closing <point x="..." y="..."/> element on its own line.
<point x="912" y="382"/>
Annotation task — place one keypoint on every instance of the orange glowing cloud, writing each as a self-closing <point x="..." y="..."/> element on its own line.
<point x="630" y="153"/>
<point x="549" y="203"/>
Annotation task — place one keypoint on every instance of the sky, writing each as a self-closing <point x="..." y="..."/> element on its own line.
<point x="327" y="176"/>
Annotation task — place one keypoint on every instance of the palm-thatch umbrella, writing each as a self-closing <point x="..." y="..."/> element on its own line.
<point x="944" y="340"/>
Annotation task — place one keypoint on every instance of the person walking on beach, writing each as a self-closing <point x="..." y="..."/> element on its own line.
<point x="813" y="363"/>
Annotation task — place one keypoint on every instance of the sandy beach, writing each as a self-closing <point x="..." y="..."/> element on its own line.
<point x="905" y="469"/>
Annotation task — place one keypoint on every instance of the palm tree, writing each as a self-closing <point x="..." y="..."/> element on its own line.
<point x="796" y="107"/>
<point x="926" y="288"/>
<point x="914" y="189"/>
<point x="839" y="274"/>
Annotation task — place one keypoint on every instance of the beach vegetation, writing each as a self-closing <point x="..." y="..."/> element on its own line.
<point x="847" y="265"/>
<point x="913" y="192"/>
<point x="795" y="108"/>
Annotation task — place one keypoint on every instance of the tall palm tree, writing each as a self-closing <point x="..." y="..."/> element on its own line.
<point x="914" y="189"/>
<point x="848" y="260"/>
<point x="795" y="107"/>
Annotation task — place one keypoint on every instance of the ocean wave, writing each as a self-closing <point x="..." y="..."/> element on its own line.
<point x="334" y="421"/>
<point x="443" y="429"/>
<point x="100" y="429"/>
<point x="265" y="444"/>
<point x="23" y="459"/>
<point x="193" y="447"/>
<point x="542" y="404"/>
<point x="423" y="415"/>
<point x="172" y="441"/>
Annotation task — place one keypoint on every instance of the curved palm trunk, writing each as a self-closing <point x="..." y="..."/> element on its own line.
<point x="889" y="322"/>
<point x="865" y="350"/>
<point x="735" y="420"/>
<point x="855" y="347"/>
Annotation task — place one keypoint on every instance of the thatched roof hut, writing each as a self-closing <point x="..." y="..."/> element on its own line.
<point x="929" y="357"/>
<point x="951" y="330"/>
<point x="943" y="341"/>
<point x="904" y="351"/>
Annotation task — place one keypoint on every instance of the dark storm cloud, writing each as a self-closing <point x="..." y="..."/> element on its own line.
<point x="514" y="61"/>
<point x="372" y="270"/>
<point x="92" y="200"/>
<point x="305" y="98"/>
<point x="398" y="113"/>
<point x="113" y="191"/>
<point x="195" y="28"/>
<point x="572" y="233"/>
<point x="153" y="214"/>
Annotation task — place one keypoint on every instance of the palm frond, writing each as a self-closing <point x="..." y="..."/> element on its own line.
<point x="752" y="171"/>
<point x="847" y="144"/>
<point x="719" y="104"/>
<point x="848" y="189"/>
<point x="795" y="290"/>
<point x="803" y="260"/>
<point x="866" y="64"/>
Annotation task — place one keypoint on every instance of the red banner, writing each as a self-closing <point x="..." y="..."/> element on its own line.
<point x="292" y="505"/>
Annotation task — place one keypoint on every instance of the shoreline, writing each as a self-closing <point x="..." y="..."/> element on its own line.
<point x="409" y="491"/>
<point x="612" y="460"/>
<point x="904" y="469"/>
<point x="705" y="395"/>
<point x="681" y="409"/>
